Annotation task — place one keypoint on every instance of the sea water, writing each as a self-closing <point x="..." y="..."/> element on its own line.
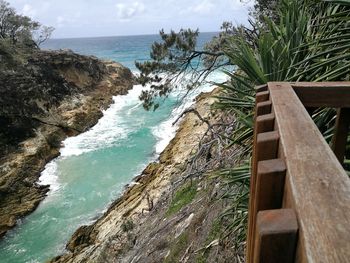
<point x="94" y="167"/>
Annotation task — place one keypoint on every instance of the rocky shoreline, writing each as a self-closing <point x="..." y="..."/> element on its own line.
<point x="91" y="84"/>
<point x="138" y="226"/>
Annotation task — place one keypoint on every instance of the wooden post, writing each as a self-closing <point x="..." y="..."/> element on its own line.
<point x="263" y="108"/>
<point x="266" y="147"/>
<point x="265" y="123"/>
<point x="261" y="88"/>
<point x="270" y="184"/>
<point x="341" y="133"/>
<point x="262" y="96"/>
<point x="317" y="187"/>
<point x="276" y="236"/>
<point x="259" y="108"/>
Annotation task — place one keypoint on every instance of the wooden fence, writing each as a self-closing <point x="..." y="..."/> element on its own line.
<point x="299" y="208"/>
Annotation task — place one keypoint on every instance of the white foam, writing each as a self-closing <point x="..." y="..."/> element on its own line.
<point x="105" y="133"/>
<point x="109" y="130"/>
<point x="49" y="176"/>
<point x="165" y="132"/>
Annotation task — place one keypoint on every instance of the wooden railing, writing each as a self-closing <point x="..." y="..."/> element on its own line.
<point x="299" y="208"/>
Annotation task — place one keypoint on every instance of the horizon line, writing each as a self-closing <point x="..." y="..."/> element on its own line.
<point x="61" y="38"/>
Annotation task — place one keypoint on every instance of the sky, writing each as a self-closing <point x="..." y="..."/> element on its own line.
<point x="93" y="18"/>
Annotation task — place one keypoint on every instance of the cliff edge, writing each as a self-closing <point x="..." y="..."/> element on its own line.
<point x="161" y="217"/>
<point x="51" y="95"/>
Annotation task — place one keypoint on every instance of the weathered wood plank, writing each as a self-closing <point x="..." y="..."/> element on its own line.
<point x="318" y="187"/>
<point x="261" y="88"/>
<point x="263" y="108"/>
<point x="323" y="94"/>
<point x="262" y="123"/>
<point x="326" y="84"/>
<point x="262" y="96"/>
<point x="276" y="236"/>
<point x="265" y="123"/>
<point x="270" y="184"/>
<point x="266" y="147"/>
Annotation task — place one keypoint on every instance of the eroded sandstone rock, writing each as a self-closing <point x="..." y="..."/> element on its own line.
<point x="54" y="95"/>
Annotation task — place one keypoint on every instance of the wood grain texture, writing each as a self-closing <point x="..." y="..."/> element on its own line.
<point x="276" y="236"/>
<point x="270" y="184"/>
<point x="262" y="96"/>
<point x="263" y="108"/>
<point x="261" y="88"/>
<point x="266" y="147"/>
<point x="265" y="123"/>
<point x="318" y="187"/>
<point x="261" y="124"/>
<point x="323" y="94"/>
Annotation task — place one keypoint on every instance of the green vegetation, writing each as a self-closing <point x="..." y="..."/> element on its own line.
<point x="182" y="197"/>
<point x="177" y="248"/>
<point x="19" y="36"/>
<point x="287" y="40"/>
<point x="307" y="43"/>
<point x="214" y="234"/>
<point x="127" y="225"/>
<point x="214" y="231"/>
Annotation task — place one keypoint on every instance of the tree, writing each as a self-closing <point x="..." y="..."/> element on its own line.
<point x="175" y="61"/>
<point x="44" y="34"/>
<point x="21" y="29"/>
<point x="289" y="40"/>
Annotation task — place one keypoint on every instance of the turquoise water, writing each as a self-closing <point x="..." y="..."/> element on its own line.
<point x="95" y="166"/>
<point x="124" y="49"/>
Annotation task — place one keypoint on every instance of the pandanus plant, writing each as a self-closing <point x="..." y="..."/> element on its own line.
<point x="309" y="42"/>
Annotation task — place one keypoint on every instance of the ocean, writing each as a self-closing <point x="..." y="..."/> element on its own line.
<point x="94" y="167"/>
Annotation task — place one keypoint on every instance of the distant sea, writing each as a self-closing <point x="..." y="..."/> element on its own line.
<point x="94" y="166"/>
<point x="124" y="49"/>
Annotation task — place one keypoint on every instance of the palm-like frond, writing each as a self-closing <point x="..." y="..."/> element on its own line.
<point x="310" y="42"/>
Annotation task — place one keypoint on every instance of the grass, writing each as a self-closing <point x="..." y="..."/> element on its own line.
<point x="213" y="234"/>
<point x="182" y="197"/>
<point x="177" y="248"/>
<point x="214" y="231"/>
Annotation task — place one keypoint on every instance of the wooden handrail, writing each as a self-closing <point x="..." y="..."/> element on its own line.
<point x="300" y="173"/>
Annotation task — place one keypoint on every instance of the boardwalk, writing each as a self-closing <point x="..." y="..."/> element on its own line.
<point x="299" y="209"/>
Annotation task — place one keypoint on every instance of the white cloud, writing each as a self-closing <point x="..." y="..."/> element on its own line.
<point x="203" y="8"/>
<point x="237" y="5"/>
<point x="61" y="21"/>
<point x="210" y="7"/>
<point x="105" y="17"/>
<point x="129" y="10"/>
<point x="28" y="10"/>
<point x="200" y="8"/>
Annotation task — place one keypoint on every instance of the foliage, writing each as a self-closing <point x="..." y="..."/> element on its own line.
<point x="300" y="40"/>
<point x="19" y="30"/>
<point x="175" y="62"/>
<point x="307" y="43"/>
<point x="177" y="248"/>
<point x="182" y="197"/>
<point x="127" y="225"/>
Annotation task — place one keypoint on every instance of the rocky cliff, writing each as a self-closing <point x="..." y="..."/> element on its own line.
<point x="161" y="217"/>
<point x="51" y="95"/>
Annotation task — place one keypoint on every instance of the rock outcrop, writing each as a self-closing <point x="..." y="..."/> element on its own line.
<point x="54" y="94"/>
<point x="141" y="226"/>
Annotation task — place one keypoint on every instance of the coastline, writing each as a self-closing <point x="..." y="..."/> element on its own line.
<point x="143" y="195"/>
<point x="20" y="170"/>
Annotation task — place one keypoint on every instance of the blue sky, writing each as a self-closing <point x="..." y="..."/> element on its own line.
<point x="88" y="18"/>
